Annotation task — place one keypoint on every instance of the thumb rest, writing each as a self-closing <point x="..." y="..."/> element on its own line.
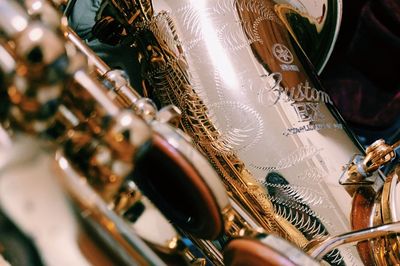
<point x="232" y="69"/>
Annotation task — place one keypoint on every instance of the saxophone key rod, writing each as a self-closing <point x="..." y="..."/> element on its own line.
<point x="26" y="33"/>
<point x="318" y="248"/>
<point x="121" y="87"/>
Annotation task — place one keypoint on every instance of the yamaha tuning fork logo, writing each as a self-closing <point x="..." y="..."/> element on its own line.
<point x="282" y="53"/>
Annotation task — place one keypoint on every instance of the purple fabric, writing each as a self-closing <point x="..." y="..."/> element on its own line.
<point x="360" y="101"/>
<point x="364" y="77"/>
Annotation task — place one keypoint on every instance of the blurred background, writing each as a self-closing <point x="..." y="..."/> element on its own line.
<point x="362" y="76"/>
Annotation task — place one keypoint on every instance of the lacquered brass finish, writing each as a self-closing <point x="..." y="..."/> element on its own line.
<point x="123" y="239"/>
<point x="51" y="93"/>
<point x="195" y="117"/>
<point x="361" y="168"/>
<point x="378" y="240"/>
<point x="238" y="227"/>
<point x="374" y="207"/>
<point x="320" y="247"/>
<point x="178" y="45"/>
<point x="114" y="79"/>
<point x="105" y="144"/>
<point x="314" y="25"/>
<point x="226" y="64"/>
<point x="235" y="225"/>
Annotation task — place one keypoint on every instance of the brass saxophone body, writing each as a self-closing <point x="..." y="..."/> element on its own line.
<point x="249" y="101"/>
<point x="103" y="149"/>
<point x="51" y="93"/>
<point x="232" y="69"/>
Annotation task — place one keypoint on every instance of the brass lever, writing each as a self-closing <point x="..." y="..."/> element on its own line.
<point x="361" y="168"/>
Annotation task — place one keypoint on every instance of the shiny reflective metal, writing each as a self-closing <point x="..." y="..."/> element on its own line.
<point x="98" y="140"/>
<point x="252" y="104"/>
<point x="36" y="71"/>
<point x="207" y="215"/>
<point x="361" y="168"/>
<point x="374" y="215"/>
<point x="314" y="24"/>
<point x="235" y="222"/>
<point x="104" y="144"/>
<point x="120" y="227"/>
<point x="320" y="247"/>
<point x="374" y="208"/>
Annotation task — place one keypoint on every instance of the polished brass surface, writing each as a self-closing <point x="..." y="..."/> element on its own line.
<point x="99" y="142"/>
<point x="197" y="123"/>
<point x="375" y="211"/>
<point x="314" y="25"/>
<point x="361" y="168"/>
<point x="320" y="247"/>
<point x="101" y="125"/>
<point x="188" y="61"/>
<point x="51" y="94"/>
<point x="235" y="224"/>
<point x="185" y="48"/>
<point x="388" y="246"/>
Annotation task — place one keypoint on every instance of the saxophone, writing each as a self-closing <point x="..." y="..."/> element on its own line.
<point x="253" y="105"/>
<point x="106" y="152"/>
<point x="103" y="150"/>
<point x="38" y="66"/>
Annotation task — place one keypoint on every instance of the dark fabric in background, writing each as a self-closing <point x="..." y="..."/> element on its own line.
<point x="363" y="75"/>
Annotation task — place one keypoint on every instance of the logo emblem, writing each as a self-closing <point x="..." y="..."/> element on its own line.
<point x="282" y="53"/>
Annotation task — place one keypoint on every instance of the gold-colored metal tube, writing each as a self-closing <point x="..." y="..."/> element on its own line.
<point x="226" y="56"/>
<point x="93" y="87"/>
<point x="253" y="105"/>
<point x="101" y="66"/>
<point x="134" y="251"/>
<point x="41" y="35"/>
<point x="123" y="90"/>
